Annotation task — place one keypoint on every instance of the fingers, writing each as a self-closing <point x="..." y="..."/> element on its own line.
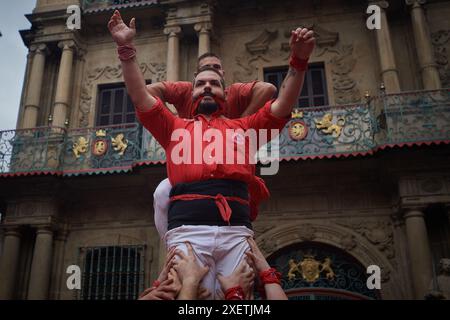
<point x="111" y="24"/>
<point x="189" y="248"/>
<point x="180" y="254"/>
<point x="133" y="23"/>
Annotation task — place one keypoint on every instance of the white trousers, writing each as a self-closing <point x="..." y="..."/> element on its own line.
<point x="221" y="248"/>
<point x="161" y="202"/>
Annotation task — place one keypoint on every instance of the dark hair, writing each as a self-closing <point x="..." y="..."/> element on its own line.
<point x="207" y="55"/>
<point x="207" y="68"/>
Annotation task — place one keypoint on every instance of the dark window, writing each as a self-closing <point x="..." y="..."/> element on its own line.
<point x="113" y="273"/>
<point x="314" y="92"/>
<point x="114" y="106"/>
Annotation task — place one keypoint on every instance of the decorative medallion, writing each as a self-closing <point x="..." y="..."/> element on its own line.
<point x="297" y="128"/>
<point x="310" y="269"/>
<point x="100" y="145"/>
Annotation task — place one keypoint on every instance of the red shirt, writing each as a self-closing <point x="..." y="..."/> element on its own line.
<point x="180" y="95"/>
<point x="161" y="123"/>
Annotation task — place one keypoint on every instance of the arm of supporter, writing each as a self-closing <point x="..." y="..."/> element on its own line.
<point x="254" y="95"/>
<point x="302" y="44"/>
<point x="242" y="277"/>
<point x="190" y="273"/>
<point x="172" y="92"/>
<point x="274" y="291"/>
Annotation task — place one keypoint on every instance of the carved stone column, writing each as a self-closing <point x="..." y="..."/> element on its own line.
<point x="204" y="33"/>
<point x="389" y="72"/>
<point x="63" y="87"/>
<point x="173" y="52"/>
<point x="428" y="67"/>
<point x="41" y="264"/>
<point x="9" y="263"/>
<point x="419" y="251"/>
<point x="33" y="97"/>
<point x="58" y="272"/>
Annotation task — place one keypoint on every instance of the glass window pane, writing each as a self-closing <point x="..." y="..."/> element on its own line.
<point x="273" y="79"/>
<point x="117" y="119"/>
<point x="104" y="121"/>
<point x="317" y="81"/>
<point x="303" y="103"/>
<point x="319" y="101"/>
<point x="131" y="118"/>
<point x="130" y="106"/>
<point x="118" y="101"/>
<point x="304" y="92"/>
<point x="105" y="102"/>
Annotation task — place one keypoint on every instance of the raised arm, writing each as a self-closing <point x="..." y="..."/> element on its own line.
<point x="261" y="93"/>
<point x="134" y="80"/>
<point x="302" y="45"/>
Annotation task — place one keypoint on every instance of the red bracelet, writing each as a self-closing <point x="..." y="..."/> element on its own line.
<point x="156" y="284"/>
<point x="126" y="52"/>
<point x="270" y="276"/>
<point x="235" y="293"/>
<point x="298" y="64"/>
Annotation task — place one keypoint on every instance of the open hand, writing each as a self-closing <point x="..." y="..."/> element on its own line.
<point x="302" y="43"/>
<point x="120" y="32"/>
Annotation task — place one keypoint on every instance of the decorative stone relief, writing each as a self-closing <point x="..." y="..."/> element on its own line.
<point x="257" y="51"/>
<point x="157" y="70"/>
<point x="441" y="43"/>
<point x="261" y="229"/>
<point x="379" y="233"/>
<point x="348" y="242"/>
<point x="306" y="232"/>
<point x="262" y="50"/>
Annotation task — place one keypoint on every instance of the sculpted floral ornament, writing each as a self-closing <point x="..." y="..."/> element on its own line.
<point x="378" y="233"/>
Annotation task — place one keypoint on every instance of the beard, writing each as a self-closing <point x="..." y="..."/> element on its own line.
<point x="207" y="108"/>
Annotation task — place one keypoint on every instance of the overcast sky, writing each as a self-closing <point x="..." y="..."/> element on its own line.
<point x="13" y="58"/>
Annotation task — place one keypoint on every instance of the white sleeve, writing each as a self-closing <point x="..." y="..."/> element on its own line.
<point x="161" y="202"/>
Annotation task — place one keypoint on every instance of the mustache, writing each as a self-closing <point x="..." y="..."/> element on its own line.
<point x="207" y="94"/>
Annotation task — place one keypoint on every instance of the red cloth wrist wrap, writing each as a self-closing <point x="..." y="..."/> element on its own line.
<point x="235" y="293"/>
<point x="126" y="52"/>
<point x="298" y="64"/>
<point x="270" y="276"/>
<point x="156" y="283"/>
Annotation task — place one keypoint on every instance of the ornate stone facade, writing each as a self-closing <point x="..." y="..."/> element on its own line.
<point x="373" y="208"/>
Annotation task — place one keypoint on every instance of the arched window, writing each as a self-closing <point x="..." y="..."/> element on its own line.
<point x="317" y="271"/>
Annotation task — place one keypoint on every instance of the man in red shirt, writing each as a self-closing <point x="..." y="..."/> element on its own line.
<point x="242" y="99"/>
<point x="212" y="201"/>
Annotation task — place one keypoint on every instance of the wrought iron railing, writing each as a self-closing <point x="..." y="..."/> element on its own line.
<point x="332" y="131"/>
<point x="98" y="4"/>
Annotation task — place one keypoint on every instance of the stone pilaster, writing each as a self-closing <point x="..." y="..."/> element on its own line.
<point x="419" y="251"/>
<point x="425" y="54"/>
<point x="9" y="263"/>
<point x="173" y="52"/>
<point x="389" y="72"/>
<point x="33" y="97"/>
<point x="41" y="265"/>
<point x="204" y="37"/>
<point x="64" y="84"/>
